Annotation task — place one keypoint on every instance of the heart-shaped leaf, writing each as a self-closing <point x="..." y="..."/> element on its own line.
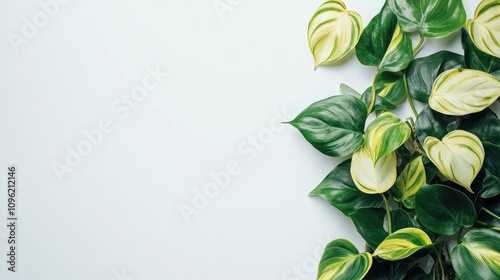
<point x="369" y="223"/>
<point x="422" y="72"/>
<point x="426" y="16"/>
<point x="339" y="190"/>
<point x="476" y="59"/>
<point x="370" y="177"/>
<point x="333" y="31"/>
<point x="381" y="104"/>
<point x="383" y="44"/>
<point x="478" y="256"/>
<point x="443" y="209"/>
<point x="484" y="29"/>
<point x="409" y="181"/>
<point x="391" y="87"/>
<point x="342" y="261"/>
<point x="385" y="134"/>
<point x="413" y="215"/>
<point x="459" y="92"/>
<point x="334" y="125"/>
<point x="459" y="156"/>
<point x="402" y="244"/>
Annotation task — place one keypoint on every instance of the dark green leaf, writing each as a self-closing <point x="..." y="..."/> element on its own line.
<point x="339" y="190"/>
<point x="334" y="125"/>
<point x="490" y="212"/>
<point x="400" y="220"/>
<point x="422" y="72"/>
<point x="491" y="170"/>
<point x="484" y="125"/>
<point x="418" y="224"/>
<point x="386" y="270"/>
<point x="383" y="44"/>
<point x="478" y="256"/>
<point x="431" y="123"/>
<point x="370" y="224"/>
<point x="432" y="18"/>
<point x="430" y="169"/>
<point x="419" y="274"/>
<point x="476" y="59"/>
<point x="443" y="209"/>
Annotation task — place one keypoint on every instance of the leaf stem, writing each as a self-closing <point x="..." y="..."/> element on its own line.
<point x="410" y="100"/>
<point x="459" y="236"/>
<point x="440" y="263"/>
<point x="417" y="47"/>
<point x="372" y="101"/>
<point x="388" y="209"/>
<point x="490" y="213"/>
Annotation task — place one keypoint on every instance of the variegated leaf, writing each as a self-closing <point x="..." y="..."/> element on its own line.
<point x="383" y="44"/>
<point x="409" y="181"/>
<point x="484" y="29"/>
<point x="459" y="156"/>
<point x="385" y="134"/>
<point x="333" y="32"/>
<point x="402" y="244"/>
<point x="459" y="92"/>
<point x="432" y="18"/>
<point x="391" y="87"/>
<point x="478" y="256"/>
<point x="342" y="261"/>
<point x="370" y="177"/>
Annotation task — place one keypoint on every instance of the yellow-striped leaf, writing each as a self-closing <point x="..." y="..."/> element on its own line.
<point x="342" y="261"/>
<point x="370" y="177"/>
<point x="460" y="92"/>
<point x="459" y="156"/>
<point x="484" y="29"/>
<point x="402" y="244"/>
<point x="478" y="256"/>
<point x="409" y="181"/>
<point x="333" y="32"/>
<point x="385" y="134"/>
<point x="383" y="44"/>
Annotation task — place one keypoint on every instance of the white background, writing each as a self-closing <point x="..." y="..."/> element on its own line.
<point x="116" y="215"/>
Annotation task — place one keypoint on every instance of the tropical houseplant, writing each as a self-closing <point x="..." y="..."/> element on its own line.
<point x="423" y="192"/>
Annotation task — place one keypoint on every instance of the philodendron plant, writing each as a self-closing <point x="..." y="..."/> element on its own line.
<point x="424" y="193"/>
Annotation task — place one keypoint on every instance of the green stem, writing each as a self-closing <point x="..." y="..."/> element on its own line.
<point x="417" y="47"/>
<point x="490" y="213"/>
<point x="388" y="209"/>
<point x="372" y="101"/>
<point x="441" y="267"/>
<point x="410" y="100"/>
